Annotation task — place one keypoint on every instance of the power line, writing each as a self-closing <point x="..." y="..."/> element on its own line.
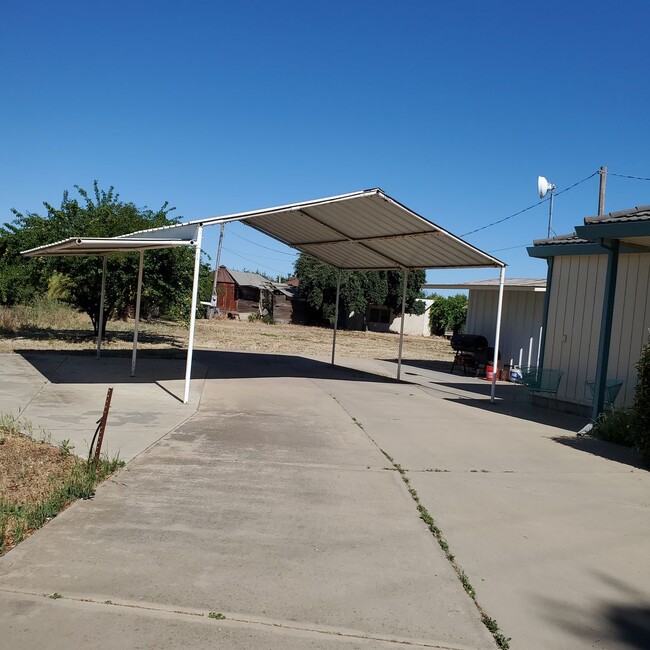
<point x="269" y="268"/>
<point x="566" y="189"/>
<point x="634" y="178"/>
<point x="508" y="248"/>
<point x="530" y="207"/>
<point x="268" y="248"/>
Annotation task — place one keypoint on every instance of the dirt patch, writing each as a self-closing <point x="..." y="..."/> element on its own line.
<point x="239" y="336"/>
<point x="38" y="480"/>
<point x="31" y="468"/>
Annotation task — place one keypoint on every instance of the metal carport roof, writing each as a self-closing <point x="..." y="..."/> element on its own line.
<point x="358" y="231"/>
<point x="103" y="246"/>
<point x="366" y="230"/>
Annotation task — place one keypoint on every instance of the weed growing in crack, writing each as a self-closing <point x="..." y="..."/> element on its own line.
<point x="218" y="616"/>
<point x="501" y="640"/>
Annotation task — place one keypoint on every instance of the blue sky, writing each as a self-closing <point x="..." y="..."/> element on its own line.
<point x="454" y="109"/>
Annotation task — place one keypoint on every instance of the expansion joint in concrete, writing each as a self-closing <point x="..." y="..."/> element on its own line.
<point x="240" y="619"/>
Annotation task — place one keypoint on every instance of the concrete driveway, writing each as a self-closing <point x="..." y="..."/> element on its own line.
<point x="275" y="505"/>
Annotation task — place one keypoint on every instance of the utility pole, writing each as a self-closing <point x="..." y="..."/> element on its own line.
<point x="216" y="265"/>
<point x="216" y="272"/>
<point x="601" y="194"/>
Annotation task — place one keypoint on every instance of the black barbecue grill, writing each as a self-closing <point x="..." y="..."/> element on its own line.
<point x="472" y="352"/>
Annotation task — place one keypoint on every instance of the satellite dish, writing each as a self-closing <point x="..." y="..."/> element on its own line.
<point x="543" y="186"/>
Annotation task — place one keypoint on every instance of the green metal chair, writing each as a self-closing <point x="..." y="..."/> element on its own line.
<point x="612" y="388"/>
<point x="542" y="381"/>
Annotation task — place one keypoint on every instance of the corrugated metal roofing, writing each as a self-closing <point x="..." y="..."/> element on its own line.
<point x="528" y="284"/>
<point x="361" y="230"/>
<point x="103" y="245"/>
<point x="247" y="279"/>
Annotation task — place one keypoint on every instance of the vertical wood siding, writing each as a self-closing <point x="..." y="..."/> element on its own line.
<point x="574" y="318"/>
<point x="520" y="322"/>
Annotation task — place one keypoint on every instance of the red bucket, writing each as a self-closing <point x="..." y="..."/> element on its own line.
<point x="489" y="372"/>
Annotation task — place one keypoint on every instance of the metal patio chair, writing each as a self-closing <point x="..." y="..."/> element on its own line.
<point x="542" y="381"/>
<point x="612" y="388"/>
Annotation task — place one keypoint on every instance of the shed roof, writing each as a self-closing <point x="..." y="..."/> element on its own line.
<point x="247" y="279"/>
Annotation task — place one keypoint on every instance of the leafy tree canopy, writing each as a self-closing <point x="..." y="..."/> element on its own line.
<point x="359" y="289"/>
<point x="77" y="279"/>
<point x="447" y="314"/>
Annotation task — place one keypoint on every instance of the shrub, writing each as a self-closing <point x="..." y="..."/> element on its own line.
<point x="447" y="313"/>
<point x="642" y="404"/>
<point x="616" y="426"/>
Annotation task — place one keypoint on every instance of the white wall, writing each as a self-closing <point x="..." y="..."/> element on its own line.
<point x="416" y="325"/>
<point x="575" y="311"/>
<point x="521" y="322"/>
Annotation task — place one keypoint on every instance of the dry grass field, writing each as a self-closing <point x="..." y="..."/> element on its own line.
<point x="57" y="327"/>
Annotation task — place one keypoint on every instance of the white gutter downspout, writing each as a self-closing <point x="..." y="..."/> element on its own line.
<point x="401" y="326"/>
<point x="495" y="366"/>
<point x="137" y="315"/>
<point x="195" y="291"/>
<point x="336" y="314"/>
<point x="101" y="310"/>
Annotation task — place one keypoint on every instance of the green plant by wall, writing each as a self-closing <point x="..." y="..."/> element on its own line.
<point x="641" y="408"/>
<point x="616" y="426"/>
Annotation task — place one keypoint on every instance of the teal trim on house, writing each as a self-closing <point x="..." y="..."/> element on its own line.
<point x="547" y="302"/>
<point x="551" y="250"/>
<point x="605" y="329"/>
<point x="610" y="230"/>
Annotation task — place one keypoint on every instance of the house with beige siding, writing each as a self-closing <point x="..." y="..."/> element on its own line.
<point x="597" y="312"/>
<point x="521" y="320"/>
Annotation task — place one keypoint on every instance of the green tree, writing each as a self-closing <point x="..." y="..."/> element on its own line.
<point x="447" y="313"/>
<point x="358" y="289"/>
<point x="77" y="279"/>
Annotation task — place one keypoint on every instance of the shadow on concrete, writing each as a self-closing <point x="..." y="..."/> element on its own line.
<point x="165" y="364"/>
<point x="604" y="449"/>
<point x="426" y="364"/>
<point x="623" y="623"/>
<point x="86" y="336"/>
<point x="523" y="410"/>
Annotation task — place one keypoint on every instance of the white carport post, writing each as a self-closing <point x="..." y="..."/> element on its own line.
<point x="101" y="310"/>
<point x="137" y="315"/>
<point x="336" y="314"/>
<point x="195" y="291"/>
<point x="401" y="325"/>
<point x="495" y="363"/>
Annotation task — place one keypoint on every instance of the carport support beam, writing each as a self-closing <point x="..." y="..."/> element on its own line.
<point x="336" y="314"/>
<point x="137" y="315"/>
<point x="100" y="320"/>
<point x="495" y="363"/>
<point x="401" y="325"/>
<point x="195" y="291"/>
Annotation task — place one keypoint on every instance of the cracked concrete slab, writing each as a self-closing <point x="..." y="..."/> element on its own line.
<point x="269" y="504"/>
<point x="62" y="396"/>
